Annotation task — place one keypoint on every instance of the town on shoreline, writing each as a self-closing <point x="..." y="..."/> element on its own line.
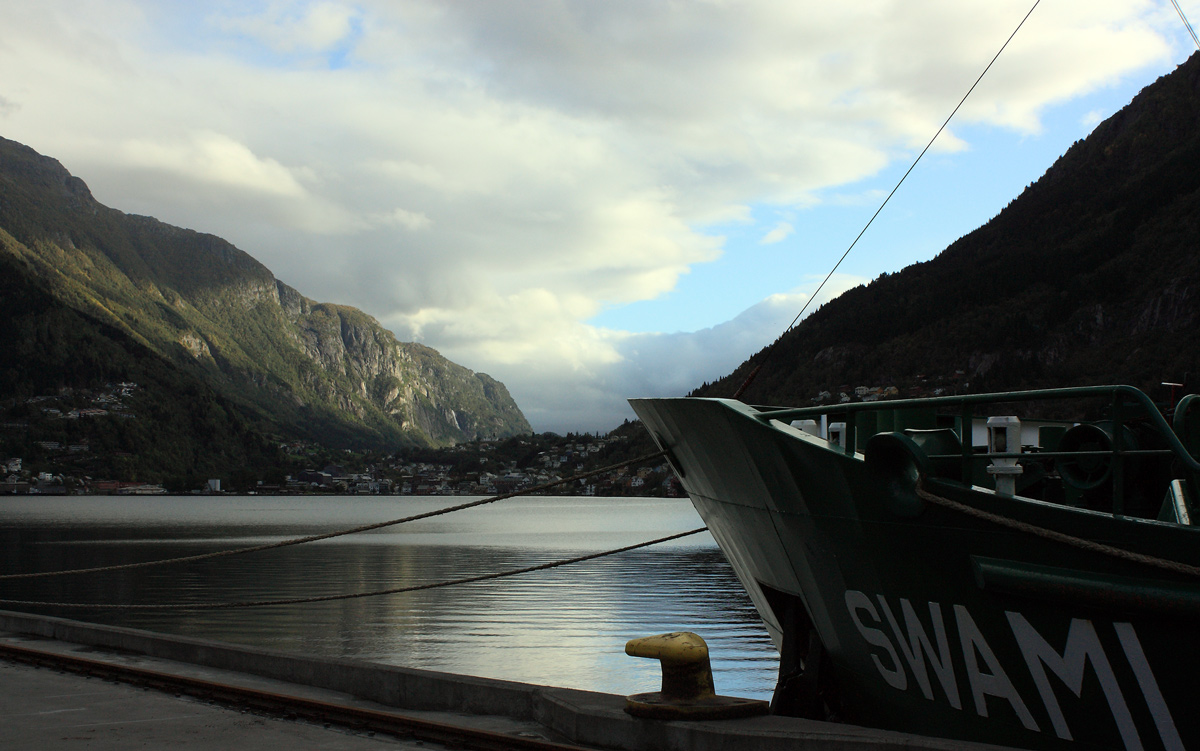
<point x="477" y="468"/>
<point x="80" y="441"/>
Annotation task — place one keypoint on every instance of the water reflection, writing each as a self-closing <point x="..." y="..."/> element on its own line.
<point x="564" y="627"/>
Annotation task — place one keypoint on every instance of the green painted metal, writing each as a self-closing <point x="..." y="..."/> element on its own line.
<point x="1118" y="476"/>
<point x="1103" y="591"/>
<point x="862" y="414"/>
<point x="937" y="622"/>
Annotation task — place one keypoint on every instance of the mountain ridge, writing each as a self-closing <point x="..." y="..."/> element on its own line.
<point x="1090" y="275"/>
<point x="317" y="370"/>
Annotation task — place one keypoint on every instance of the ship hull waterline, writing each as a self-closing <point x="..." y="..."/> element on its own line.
<point x="935" y="622"/>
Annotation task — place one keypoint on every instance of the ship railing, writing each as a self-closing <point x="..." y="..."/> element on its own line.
<point x="1126" y="404"/>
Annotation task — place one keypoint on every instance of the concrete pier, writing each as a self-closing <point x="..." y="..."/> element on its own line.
<point x="44" y="709"/>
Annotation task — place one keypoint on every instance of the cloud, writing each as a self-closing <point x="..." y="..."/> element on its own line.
<point x="410" y="220"/>
<point x="780" y="233"/>
<point x="488" y="176"/>
<point x="211" y="158"/>
<point x="871" y="197"/>
<point x="592" y="397"/>
<point x="1092" y="119"/>
<point x="293" y="27"/>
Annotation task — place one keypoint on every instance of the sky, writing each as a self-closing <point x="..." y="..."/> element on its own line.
<point x="590" y="200"/>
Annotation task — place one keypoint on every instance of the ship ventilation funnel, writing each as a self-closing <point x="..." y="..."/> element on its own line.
<point x="1091" y="468"/>
<point x="896" y="462"/>
<point x="1088" y="470"/>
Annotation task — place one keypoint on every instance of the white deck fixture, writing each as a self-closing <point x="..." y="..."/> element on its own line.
<point x="1004" y="437"/>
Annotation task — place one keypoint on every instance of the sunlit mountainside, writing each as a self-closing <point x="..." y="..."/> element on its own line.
<point x="1091" y="275"/>
<point x="92" y="295"/>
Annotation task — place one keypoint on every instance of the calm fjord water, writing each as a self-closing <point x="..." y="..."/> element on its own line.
<point x="562" y="627"/>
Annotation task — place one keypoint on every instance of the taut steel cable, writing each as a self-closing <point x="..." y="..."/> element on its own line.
<point x="754" y="373"/>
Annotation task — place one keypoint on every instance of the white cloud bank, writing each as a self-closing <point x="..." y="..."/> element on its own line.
<point x="488" y="176"/>
<point x="590" y="393"/>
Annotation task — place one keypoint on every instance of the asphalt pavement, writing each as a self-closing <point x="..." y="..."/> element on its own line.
<point x="49" y="710"/>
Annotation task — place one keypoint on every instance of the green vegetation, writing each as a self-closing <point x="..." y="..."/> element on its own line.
<point x="517" y="463"/>
<point x="108" y="294"/>
<point x="172" y="427"/>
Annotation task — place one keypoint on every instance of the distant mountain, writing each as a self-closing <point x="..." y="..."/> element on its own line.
<point x="1092" y="275"/>
<point x="103" y="292"/>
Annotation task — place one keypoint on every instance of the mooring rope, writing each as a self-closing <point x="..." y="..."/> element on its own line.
<point x="1050" y="534"/>
<point x="338" y="533"/>
<point x="351" y="595"/>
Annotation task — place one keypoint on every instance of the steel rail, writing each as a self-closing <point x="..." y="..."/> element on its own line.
<point x="1115" y="392"/>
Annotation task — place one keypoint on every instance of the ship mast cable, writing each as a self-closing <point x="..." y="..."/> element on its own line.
<point x="351" y="595"/>
<point x="770" y="349"/>
<point x="338" y="533"/>
<point x="1186" y="23"/>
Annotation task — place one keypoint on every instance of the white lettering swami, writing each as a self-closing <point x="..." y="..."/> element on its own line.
<point x="925" y="648"/>
<point x="917" y="647"/>
<point x="1145" y="677"/>
<point x="1082" y="645"/>
<point x="895" y="677"/>
<point x="993" y="683"/>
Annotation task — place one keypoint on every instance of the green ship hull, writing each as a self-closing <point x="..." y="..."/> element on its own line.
<point x="894" y="608"/>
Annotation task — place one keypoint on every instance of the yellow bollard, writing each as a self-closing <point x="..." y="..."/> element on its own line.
<point x="687" y="683"/>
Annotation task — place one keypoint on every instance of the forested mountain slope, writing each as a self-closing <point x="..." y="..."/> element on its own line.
<point x="1091" y="275"/>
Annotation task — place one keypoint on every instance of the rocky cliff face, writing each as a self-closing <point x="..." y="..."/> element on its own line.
<point x="327" y="371"/>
